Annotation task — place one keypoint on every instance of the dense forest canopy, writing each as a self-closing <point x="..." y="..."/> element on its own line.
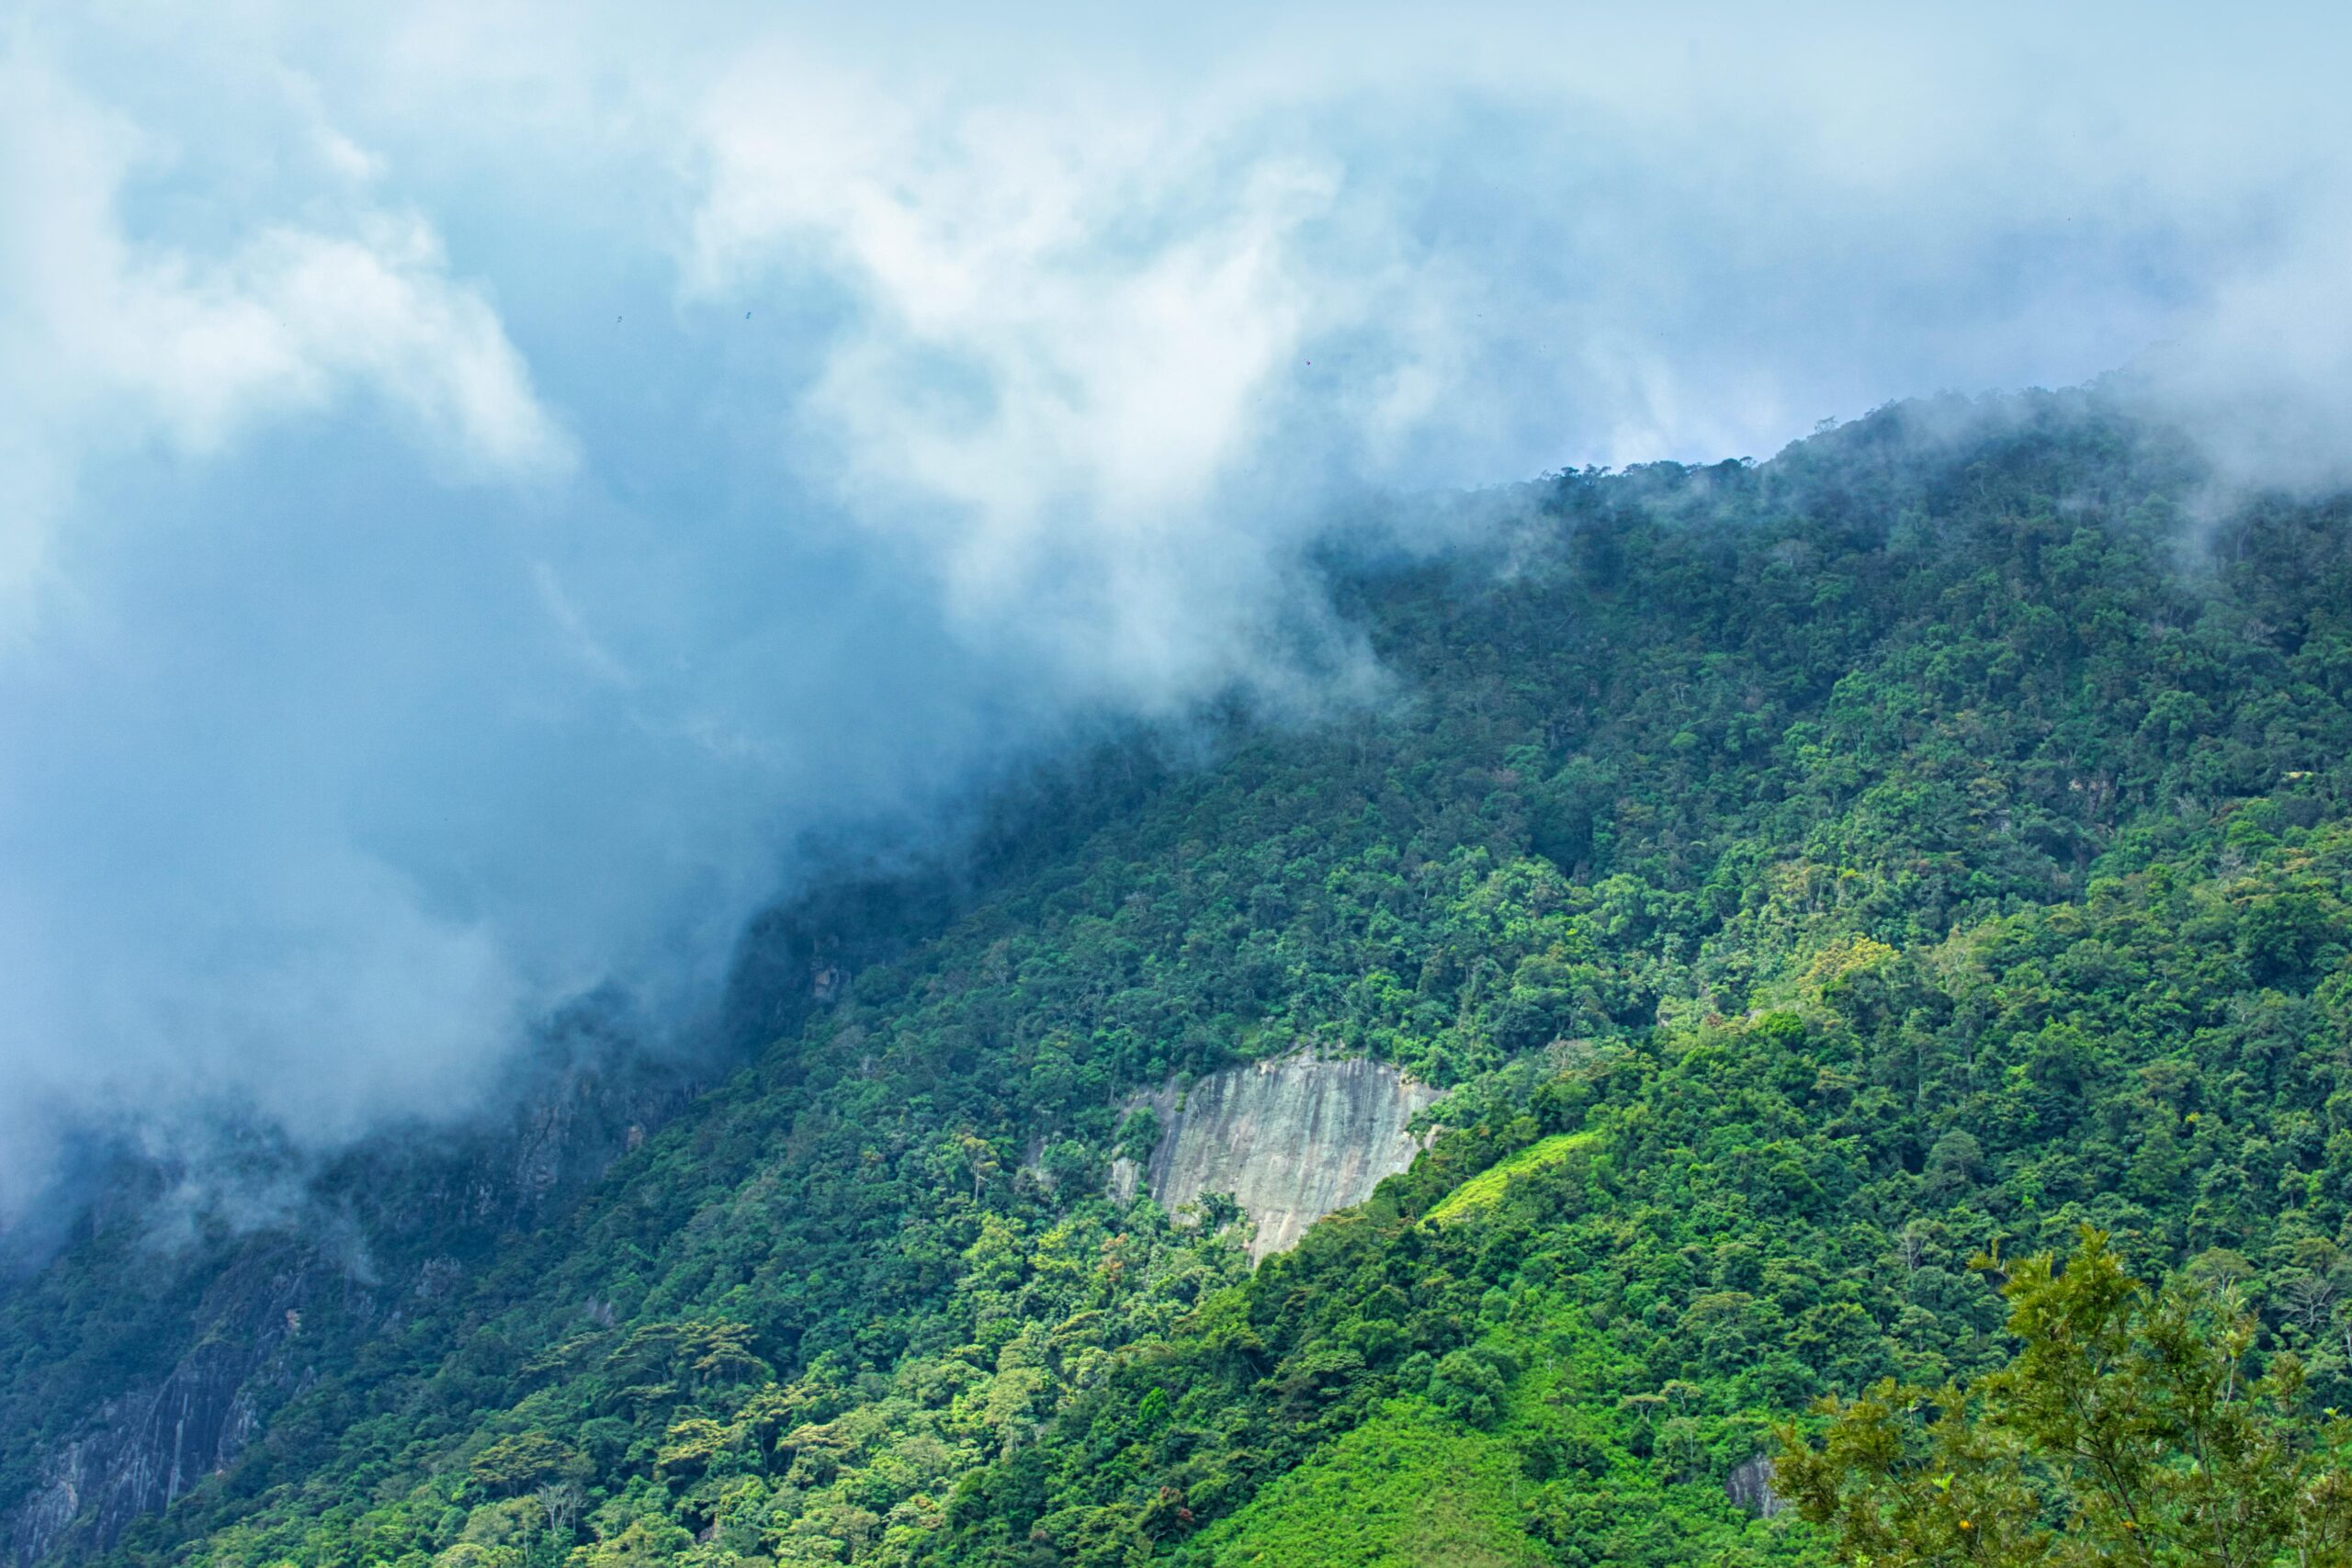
<point x="1802" y="876"/>
<point x="2130" y="1427"/>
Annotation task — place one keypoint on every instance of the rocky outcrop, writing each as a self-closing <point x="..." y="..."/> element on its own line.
<point x="144" y="1448"/>
<point x="1750" y="1487"/>
<point x="216" y="1381"/>
<point x="1292" y="1139"/>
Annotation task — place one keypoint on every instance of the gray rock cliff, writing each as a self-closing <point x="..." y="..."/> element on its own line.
<point x="1292" y="1138"/>
<point x="1750" y="1487"/>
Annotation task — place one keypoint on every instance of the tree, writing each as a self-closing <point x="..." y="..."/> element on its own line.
<point x="519" y="1462"/>
<point x="2131" y="1427"/>
<point x="561" y="1500"/>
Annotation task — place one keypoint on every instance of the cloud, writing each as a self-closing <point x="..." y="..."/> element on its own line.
<point x="1069" y="434"/>
<point x="488" y="483"/>
<point x="106" y="342"/>
<point x="201" y="975"/>
<point x="2260" y="376"/>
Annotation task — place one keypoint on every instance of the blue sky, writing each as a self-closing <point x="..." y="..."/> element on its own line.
<point x="483" y="482"/>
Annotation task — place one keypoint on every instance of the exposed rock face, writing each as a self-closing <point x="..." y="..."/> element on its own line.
<point x="407" y="1215"/>
<point x="147" y="1447"/>
<point x="210" y="1396"/>
<point x="1293" y="1139"/>
<point x="1750" y="1487"/>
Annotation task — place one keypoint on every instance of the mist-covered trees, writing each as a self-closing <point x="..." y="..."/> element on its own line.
<point x="1806" y="876"/>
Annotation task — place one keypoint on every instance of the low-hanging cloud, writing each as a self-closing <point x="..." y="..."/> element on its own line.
<point x="1109" y="452"/>
<point x="487" y="481"/>
<point x="106" y="344"/>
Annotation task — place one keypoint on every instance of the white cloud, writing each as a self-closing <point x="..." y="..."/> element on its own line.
<point x="1072" y="336"/>
<point x="108" y="344"/>
<point x="1116" y="335"/>
<point x="1079" y="337"/>
<point x="2260" y="375"/>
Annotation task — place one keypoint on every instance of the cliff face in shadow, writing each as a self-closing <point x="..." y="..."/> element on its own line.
<point x="1292" y="1139"/>
<point x="146" y="1447"/>
<point x="225" y="1326"/>
<point x="229" y="1326"/>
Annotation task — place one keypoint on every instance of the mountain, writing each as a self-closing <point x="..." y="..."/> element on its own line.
<point x="1761" y="888"/>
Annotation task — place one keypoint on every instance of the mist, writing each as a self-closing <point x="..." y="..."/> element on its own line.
<point x="485" y="485"/>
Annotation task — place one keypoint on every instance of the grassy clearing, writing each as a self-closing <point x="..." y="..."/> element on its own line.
<point x="1409" y="1489"/>
<point x="1486" y="1190"/>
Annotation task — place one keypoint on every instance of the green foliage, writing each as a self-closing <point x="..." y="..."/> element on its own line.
<point x="1487" y="1188"/>
<point x="1406" y="1490"/>
<point x="2131" y="1427"/>
<point x="526" y="1460"/>
<point x="1804" y="876"/>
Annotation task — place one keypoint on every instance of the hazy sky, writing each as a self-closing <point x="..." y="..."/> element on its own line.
<point x="478" y="483"/>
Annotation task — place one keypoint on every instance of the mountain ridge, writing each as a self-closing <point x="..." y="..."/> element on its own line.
<point x="1727" y="814"/>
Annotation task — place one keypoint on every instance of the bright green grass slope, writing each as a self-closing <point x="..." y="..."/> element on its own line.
<point x="1486" y="1190"/>
<point x="1409" y="1489"/>
<point x="1519" y="1443"/>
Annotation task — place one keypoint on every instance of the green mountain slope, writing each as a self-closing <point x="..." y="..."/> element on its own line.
<point x="1803" y="875"/>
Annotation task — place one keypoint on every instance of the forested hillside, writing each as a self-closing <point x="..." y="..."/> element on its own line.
<point x="1802" y="875"/>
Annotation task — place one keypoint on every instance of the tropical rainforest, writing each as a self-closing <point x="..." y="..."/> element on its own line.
<point x="1826" y="891"/>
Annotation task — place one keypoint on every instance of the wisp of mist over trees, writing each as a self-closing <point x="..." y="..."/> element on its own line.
<point x="678" y="690"/>
<point x="486" y="484"/>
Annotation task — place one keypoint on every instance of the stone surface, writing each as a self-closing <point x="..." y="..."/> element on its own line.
<point x="1292" y="1139"/>
<point x="147" y="1447"/>
<point x="1750" y="1487"/>
<point x="201" y="1402"/>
